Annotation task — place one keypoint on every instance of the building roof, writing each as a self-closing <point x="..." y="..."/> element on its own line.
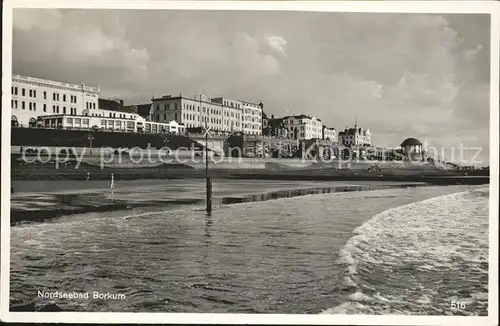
<point x="264" y="115"/>
<point x="115" y="105"/>
<point x="411" y="142"/>
<point x="143" y="110"/>
<point x="349" y="131"/>
<point x="300" y="116"/>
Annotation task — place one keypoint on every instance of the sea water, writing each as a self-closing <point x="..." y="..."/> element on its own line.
<point x="387" y="251"/>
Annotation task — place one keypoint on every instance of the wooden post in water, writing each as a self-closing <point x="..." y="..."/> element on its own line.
<point x="209" y="195"/>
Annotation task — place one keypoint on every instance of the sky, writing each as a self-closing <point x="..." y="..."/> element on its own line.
<point x="401" y="75"/>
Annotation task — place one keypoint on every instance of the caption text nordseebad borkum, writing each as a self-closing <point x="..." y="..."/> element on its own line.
<point x="81" y="295"/>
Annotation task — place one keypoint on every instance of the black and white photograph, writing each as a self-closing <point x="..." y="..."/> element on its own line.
<point x="295" y="160"/>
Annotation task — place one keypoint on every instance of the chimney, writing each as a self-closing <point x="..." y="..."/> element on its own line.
<point x="121" y="104"/>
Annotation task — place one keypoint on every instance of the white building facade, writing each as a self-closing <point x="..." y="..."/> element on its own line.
<point x="33" y="97"/>
<point x="330" y="134"/>
<point x="304" y="127"/>
<point x="120" y="124"/>
<point x="218" y="114"/>
<point x="252" y="118"/>
<point x="355" y="136"/>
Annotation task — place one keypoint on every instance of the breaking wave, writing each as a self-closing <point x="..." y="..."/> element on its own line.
<point x="418" y="258"/>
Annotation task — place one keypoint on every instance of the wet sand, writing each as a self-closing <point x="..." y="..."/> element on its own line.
<point x="37" y="201"/>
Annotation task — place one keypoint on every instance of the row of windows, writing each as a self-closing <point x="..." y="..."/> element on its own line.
<point x="90" y="105"/>
<point x="55" y="109"/>
<point x="32" y="107"/>
<point x="303" y="121"/>
<point x="232" y="104"/>
<point x="250" y="126"/>
<point x="192" y="107"/>
<point x="32" y="93"/>
<point x="253" y="112"/>
<point x="248" y="118"/>
<point x="166" y="106"/>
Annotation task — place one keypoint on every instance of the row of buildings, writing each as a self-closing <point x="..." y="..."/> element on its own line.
<point x="307" y="127"/>
<point x="51" y="104"/>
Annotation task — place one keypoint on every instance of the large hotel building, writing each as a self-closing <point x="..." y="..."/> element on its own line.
<point x="34" y="97"/>
<point x="219" y="113"/>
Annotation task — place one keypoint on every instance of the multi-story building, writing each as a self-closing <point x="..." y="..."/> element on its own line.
<point x="355" y="136"/>
<point x="218" y="114"/>
<point x="33" y="97"/>
<point x="329" y="133"/>
<point x="252" y="118"/>
<point x="232" y="112"/>
<point x="304" y="127"/>
<point x="276" y="128"/>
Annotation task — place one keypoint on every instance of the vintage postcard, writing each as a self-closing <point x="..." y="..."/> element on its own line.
<point x="250" y="162"/>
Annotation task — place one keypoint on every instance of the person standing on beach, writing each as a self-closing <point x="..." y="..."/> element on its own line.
<point x="87" y="178"/>
<point x="112" y="185"/>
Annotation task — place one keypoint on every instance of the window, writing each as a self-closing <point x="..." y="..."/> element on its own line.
<point x="53" y="109"/>
<point x="64" y="110"/>
<point x="45" y="108"/>
<point x="34" y="93"/>
<point x="34" y="106"/>
<point x="53" y="96"/>
<point x="22" y="105"/>
<point x="87" y="105"/>
<point x="64" y="97"/>
<point x="15" y="90"/>
<point x="93" y="105"/>
<point x="23" y="93"/>
<point x="164" y="117"/>
<point x="15" y="104"/>
<point x="44" y="95"/>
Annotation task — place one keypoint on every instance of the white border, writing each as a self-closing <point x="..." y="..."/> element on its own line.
<point x="490" y="7"/>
